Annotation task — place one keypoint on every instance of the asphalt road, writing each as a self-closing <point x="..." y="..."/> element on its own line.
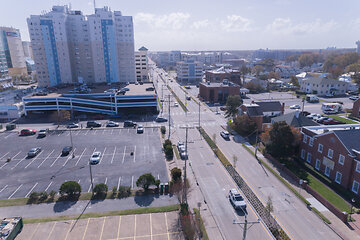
<point x="48" y="170"/>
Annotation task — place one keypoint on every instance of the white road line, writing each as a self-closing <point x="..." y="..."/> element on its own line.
<point x="55" y="160"/>
<point x="158" y="177"/>
<point x="102" y="156"/>
<point x="105" y="180"/>
<point x="48" y="186"/>
<point x="112" y="159"/>
<point x="4" y="155"/>
<point x="132" y="182"/>
<point x="15" y="155"/>
<point x="46" y="158"/>
<point x="77" y="132"/>
<point x="112" y="131"/>
<point x="80" y="157"/>
<point x="119" y="181"/>
<point x="134" y="153"/>
<point x="79" y="181"/>
<point x="124" y="155"/>
<point x="15" y="191"/>
<point x="31" y="190"/>
<point x="87" y="132"/>
<point x="71" y="154"/>
<point x="89" y="188"/>
<point x="7" y="136"/>
<point x="6" y="187"/>
<point x="128" y="130"/>
<point x="18" y="163"/>
<point x="33" y="160"/>
<point x="103" y="132"/>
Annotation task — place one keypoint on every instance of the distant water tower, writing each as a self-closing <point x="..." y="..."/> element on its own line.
<point x="358" y="47"/>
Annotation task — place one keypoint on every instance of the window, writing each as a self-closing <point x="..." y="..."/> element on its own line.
<point x="358" y="167"/>
<point x="305" y="139"/>
<point x="341" y="159"/>
<point x="355" y="187"/>
<point x="330" y="153"/>
<point x="327" y="171"/>
<point x="338" y="177"/>
<point x="308" y="157"/>
<point x="320" y="148"/>
<point x="302" y="153"/>
<point x="311" y="141"/>
<point x="317" y="164"/>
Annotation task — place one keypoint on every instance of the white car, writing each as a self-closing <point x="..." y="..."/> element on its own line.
<point x="354" y="98"/>
<point x="112" y="124"/>
<point x="225" y="135"/>
<point x="296" y="106"/>
<point x="95" y="158"/>
<point x="176" y="104"/>
<point x="140" y="129"/>
<point x="236" y="199"/>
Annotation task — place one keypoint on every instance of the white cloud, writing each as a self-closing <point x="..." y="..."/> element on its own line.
<point x="287" y="26"/>
<point x="174" y="21"/>
<point x="236" y="23"/>
<point x="201" y="24"/>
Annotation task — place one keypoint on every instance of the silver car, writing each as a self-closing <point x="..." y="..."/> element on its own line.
<point x="236" y="199"/>
<point x="34" y="151"/>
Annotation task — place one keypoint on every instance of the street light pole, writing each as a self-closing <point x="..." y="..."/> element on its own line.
<point x="91" y="179"/>
<point x="246" y="225"/>
<point x="72" y="145"/>
<point x="187" y="155"/>
<point x="169" y="118"/>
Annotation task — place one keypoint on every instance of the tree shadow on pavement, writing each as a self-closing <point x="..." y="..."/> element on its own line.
<point x="61" y="206"/>
<point x="143" y="200"/>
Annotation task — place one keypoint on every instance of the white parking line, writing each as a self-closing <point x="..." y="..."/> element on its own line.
<point x="102" y="156"/>
<point x="71" y="154"/>
<point x="158" y="177"/>
<point x="3" y="188"/>
<point x="4" y="155"/>
<point x="7" y="136"/>
<point x="112" y="159"/>
<point x="15" y="191"/>
<point x="80" y="157"/>
<point x="134" y="153"/>
<point x="46" y="158"/>
<point x="119" y="181"/>
<point x="79" y="181"/>
<point x="132" y="182"/>
<point x="112" y="131"/>
<point x="89" y="188"/>
<point x="87" y="132"/>
<point x="48" y="186"/>
<point x="124" y="155"/>
<point x="33" y="160"/>
<point x="18" y="163"/>
<point x="31" y="190"/>
<point x="103" y="132"/>
<point x="105" y="180"/>
<point x="77" y="132"/>
<point x="55" y="160"/>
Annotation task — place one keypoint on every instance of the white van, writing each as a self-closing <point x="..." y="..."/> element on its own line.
<point x="331" y="108"/>
<point x="312" y="98"/>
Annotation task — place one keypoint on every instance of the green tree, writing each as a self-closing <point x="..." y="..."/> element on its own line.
<point x="100" y="189"/>
<point x="70" y="188"/>
<point x="232" y="104"/>
<point x="257" y="70"/>
<point x="175" y="174"/>
<point x="145" y="181"/>
<point x="355" y="67"/>
<point x="356" y="78"/>
<point x="244" y="125"/>
<point x="294" y="80"/>
<point x="253" y="87"/>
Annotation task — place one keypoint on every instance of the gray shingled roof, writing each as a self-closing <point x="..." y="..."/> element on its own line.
<point x="350" y="138"/>
<point x="273" y="106"/>
<point x="254" y="111"/>
<point x="291" y="120"/>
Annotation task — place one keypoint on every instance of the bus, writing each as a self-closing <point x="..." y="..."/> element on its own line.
<point x="331" y="108"/>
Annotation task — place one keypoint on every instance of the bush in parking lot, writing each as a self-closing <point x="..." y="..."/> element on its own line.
<point x="167" y="143"/>
<point x="34" y="196"/>
<point x="175" y="174"/>
<point x="43" y="196"/>
<point x="100" y="189"/>
<point x="70" y="188"/>
<point x="168" y="149"/>
<point x="163" y="129"/>
<point x="114" y="192"/>
<point x="52" y="194"/>
<point x="124" y="191"/>
<point x="145" y="181"/>
<point x="157" y="183"/>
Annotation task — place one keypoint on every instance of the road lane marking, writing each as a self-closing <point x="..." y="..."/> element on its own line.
<point x="102" y="228"/>
<point x="52" y="229"/>
<point x="46" y="158"/>
<point x="105" y="181"/>
<point x="112" y="131"/>
<point x="87" y="132"/>
<point x="55" y="160"/>
<point x="158" y="176"/>
<point x="135" y="227"/>
<point x="48" y="186"/>
<point x="118" y="232"/>
<point x="15" y="191"/>
<point x="27" y="195"/>
<point x="132" y="182"/>
<point x="80" y="157"/>
<point x="32" y="235"/>
<point x="89" y="188"/>
<point x="112" y="159"/>
<point x="119" y="181"/>
<point x="18" y="163"/>
<point x="134" y="153"/>
<point x="71" y="154"/>
<point x="124" y="155"/>
<point x="3" y="188"/>
<point x="79" y="181"/>
<point x="167" y="228"/>
<point x="67" y="234"/>
<point x="33" y="159"/>
<point x="87" y="225"/>
<point x="102" y="156"/>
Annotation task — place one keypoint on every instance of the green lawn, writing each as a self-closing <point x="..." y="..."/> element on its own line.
<point x="341" y="119"/>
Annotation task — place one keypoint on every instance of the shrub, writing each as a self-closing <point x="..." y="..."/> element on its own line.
<point x="100" y="189"/>
<point x="167" y="143"/>
<point x="145" y="181"/>
<point x="157" y="183"/>
<point x="70" y="188"/>
<point x="34" y="196"/>
<point x="52" y="194"/>
<point x="169" y="152"/>
<point x="124" y="191"/>
<point x="43" y="196"/>
<point x="114" y="191"/>
<point x="175" y="174"/>
<point x="163" y="129"/>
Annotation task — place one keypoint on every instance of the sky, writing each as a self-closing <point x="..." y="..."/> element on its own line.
<point x="217" y="25"/>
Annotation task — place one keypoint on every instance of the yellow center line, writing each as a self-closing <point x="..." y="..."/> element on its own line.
<point x="32" y="235"/>
<point x="167" y="229"/>
<point x="87" y="224"/>
<point x="135" y="227"/>
<point x="118" y="232"/>
<point x="52" y="229"/>
<point x="151" y="235"/>
<point x="67" y="234"/>
<point x="102" y="228"/>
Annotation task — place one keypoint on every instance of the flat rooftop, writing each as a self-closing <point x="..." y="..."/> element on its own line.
<point x="320" y="129"/>
<point x="213" y="84"/>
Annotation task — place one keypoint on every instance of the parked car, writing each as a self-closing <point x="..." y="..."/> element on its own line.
<point x="176" y="104"/>
<point x="42" y="133"/>
<point x="182" y="150"/>
<point x="354" y="98"/>
<point x="187" y="87"/>
<point x="161" y="119"/>
<point x="225" y="135"/>
<point x="322" y="119"/>
<point x="188" y="98"/>
<point x="236" y="199"/>
<point x="95" y="158"/>
<point x="129" y="123"/>
<point x="27" y="132"/>
<point x="66" y="150"/>
<point x="112" y="124"/>
<point x="93" y="124"/>
<point x="296" y="106"/>
<point x="331" y="121"/>
<point x="34" y="151"/>
<point x="72" y="125"/>
<point x="140" y="129"/>
<point x="150" y="89"/>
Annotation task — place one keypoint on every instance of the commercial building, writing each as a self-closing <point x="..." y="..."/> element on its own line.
<point x="141" y="64"/>
<point x="323" y="86"/>
<point x="218" y="92"/>
<point x="334" y="152"/>
<point x="220" y="74"/>
<point x="166" y="60"/>
<point x="28" y="51"/>
<point x="189" y="72"/>
<point x="13" y="49"/>
<point x="70" y="47"/>
<point x="4" y="71"/>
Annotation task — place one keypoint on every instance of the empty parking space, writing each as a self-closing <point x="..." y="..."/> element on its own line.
<point x="142" y="226"/>
<point x="125" y="155"/>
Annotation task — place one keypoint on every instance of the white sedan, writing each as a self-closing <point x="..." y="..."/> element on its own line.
<point x="296" y="106"/>
<point x="95" y="158"/>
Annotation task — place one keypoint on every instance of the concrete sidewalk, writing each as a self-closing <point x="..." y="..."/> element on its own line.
<point x="74" y="208"/>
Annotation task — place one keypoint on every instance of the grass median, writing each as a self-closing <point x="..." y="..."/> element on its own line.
<point x="342" y="119"/>
<point x="202" y="226"/>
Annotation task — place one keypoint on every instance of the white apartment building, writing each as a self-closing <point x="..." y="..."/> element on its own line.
<point x="189" y="71"/>
<point x="141" y="65"/>
<point x="323" y="86"/>
<point x="70" y="47"/>
<point x="13" y="49"/>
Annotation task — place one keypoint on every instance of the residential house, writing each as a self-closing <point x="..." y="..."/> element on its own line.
<point x="323" y="86"/>
<point x="295" y="119"/>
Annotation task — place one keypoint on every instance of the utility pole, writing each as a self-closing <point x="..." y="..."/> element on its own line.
<point x="169" y="117"/>
<point x="72" y="145"/>
<point x="199" y="113"/>
<point x="91" y="179"/>
<point x="303" y="104"/>
<point x="187" y="156"/>
<point x="246" y="225"/>
<point x="256" y="143"/>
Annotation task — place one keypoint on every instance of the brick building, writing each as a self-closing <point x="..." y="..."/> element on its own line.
<point x="218" y="92"/>
<point x="334" y="151"/>
<point x="219" y="75"/>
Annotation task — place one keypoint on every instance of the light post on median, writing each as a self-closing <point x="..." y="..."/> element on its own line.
<point x="72" y="145"/>
<point x="91" y="179"/>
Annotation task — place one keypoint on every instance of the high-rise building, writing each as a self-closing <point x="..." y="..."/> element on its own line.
<point x="141" y="64"/>
<point x="70" y="47"/>
<point x="28" y="52"/>
<point x="189" y="71"/>
<point x="358" y="47"/>
<point x="14" y="53"/>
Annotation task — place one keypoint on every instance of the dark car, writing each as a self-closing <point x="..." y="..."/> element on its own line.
<point x="129" y="123"/>
<point x="150" y="89"/>
<point x="66" y="150"/>
<point x="160" y="119"/>
<point x="93" y="124"/>
<point x="331" y="121"/>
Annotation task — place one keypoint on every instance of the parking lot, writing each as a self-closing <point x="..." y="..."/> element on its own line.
<point x="125" y="155"/>
<point x="155" y="226"/>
